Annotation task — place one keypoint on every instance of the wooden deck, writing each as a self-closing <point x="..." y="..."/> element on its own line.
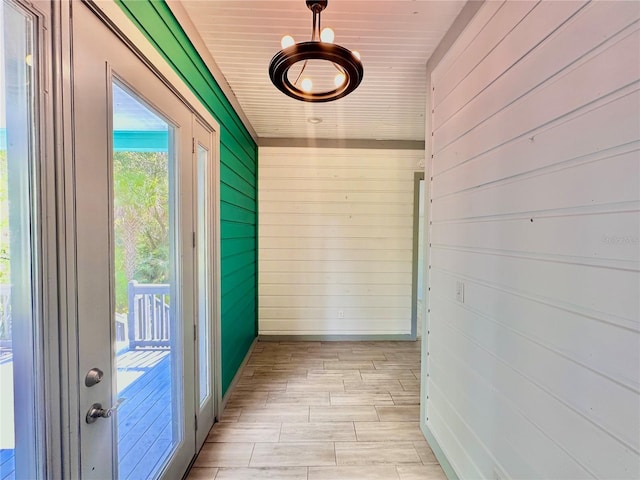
<point x="7" y="465"/>
<point x="144" y="417"/>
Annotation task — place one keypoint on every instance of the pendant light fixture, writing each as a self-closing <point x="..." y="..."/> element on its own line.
<point x="349" y="71"/>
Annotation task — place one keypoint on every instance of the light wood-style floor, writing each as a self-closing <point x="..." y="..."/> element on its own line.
<point x="323" y="411"/>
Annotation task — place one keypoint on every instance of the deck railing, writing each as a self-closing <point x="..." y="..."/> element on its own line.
<point x="149" y="318"/>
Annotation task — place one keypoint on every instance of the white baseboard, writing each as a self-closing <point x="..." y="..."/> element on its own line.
<point x="336" y="338"/>
<point x="236" y="378"/>
<point x="437" y="451"/>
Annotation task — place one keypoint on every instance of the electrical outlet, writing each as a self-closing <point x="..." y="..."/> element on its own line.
<point x="340" y="313"/>
<point x="460" y="291"/>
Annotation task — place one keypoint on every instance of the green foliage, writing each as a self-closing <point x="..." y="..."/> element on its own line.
<point x="141" y="220"/>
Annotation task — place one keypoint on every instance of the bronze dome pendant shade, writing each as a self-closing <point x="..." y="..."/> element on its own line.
<point x="320" y="47"/>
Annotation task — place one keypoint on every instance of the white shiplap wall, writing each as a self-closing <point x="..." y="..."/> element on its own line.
<point x="535" y="208"/>
<point x="335" y="240"/>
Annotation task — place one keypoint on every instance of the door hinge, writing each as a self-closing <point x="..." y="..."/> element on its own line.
<point x="194" y="239"/>
<point x="195" y="334"/>
<point x="193" y="145"/>
<point x="196" y="421"/>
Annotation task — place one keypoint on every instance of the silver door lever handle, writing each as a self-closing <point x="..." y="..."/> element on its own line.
<point x="96" y="411"/>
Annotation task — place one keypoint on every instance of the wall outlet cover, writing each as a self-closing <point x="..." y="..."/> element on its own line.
<point x="460" y="291"/>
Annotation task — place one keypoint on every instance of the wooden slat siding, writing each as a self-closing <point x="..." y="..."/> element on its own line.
<point x="505" y="17"/>
<point x="513" y="235"/>
<point x="534" y="202"/>
<point x="403" y="197"/>
<point x="317" y="219"/>
<point x="358" y="255"/>
<point x="238" y="214"/>
<point x="238" y="166"/>
<point x="329" y="208"/>
<point x="236" y="299"/>
<point x="336" y="229"/>
<point x="332" y="278"/>
<point x="606" y="67"/>
<point x="237" y="274"/>
<point x="337" y="266"/>
<point x="239" y="277"/>
<point x="375" y="244"/>
<point x="536" y="68"/>
<point x="313" y="300"/>
<point x="534" y="319"/>
<point x="298" y="290"/>
<point x="548" y="146"/>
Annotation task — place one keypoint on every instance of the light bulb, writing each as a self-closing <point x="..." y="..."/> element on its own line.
<point x="29" y="60"/>
<point x="339" y="79"/>
<point x="287" y="41"/>
<point x="327" y="35"/>
<point x="356" y="54"/>
<point x="306" y="85"/>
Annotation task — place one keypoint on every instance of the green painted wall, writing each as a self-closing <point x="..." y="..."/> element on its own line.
<point x="238" y="180"/>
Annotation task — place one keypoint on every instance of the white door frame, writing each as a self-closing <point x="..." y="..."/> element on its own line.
<point x="204" y="138"/>
<point x="45" y="241"/>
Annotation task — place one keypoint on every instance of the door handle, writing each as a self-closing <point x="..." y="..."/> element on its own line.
<point x="96" y="411"/>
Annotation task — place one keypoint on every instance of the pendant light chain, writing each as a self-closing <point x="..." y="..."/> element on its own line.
<point x="313" y="39"/>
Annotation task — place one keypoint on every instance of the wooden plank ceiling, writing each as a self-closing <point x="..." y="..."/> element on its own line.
<point x="395" y="39"/>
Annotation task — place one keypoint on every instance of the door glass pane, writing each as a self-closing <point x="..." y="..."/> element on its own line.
<point x="19" y="332"/>
<point x="146" y="326"/>
<point x="204" y="355"/>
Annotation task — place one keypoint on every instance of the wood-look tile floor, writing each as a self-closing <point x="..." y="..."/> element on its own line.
<point x="322" y="411"/>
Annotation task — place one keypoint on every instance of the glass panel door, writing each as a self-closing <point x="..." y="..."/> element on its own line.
<point x="203" y="139"/>
<point x="204" y="276"/>
<point x="20" y="339"/>
<point x="148" y="372"/>
<point x="142" y="227"/>
<point x="134" y="272"/>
